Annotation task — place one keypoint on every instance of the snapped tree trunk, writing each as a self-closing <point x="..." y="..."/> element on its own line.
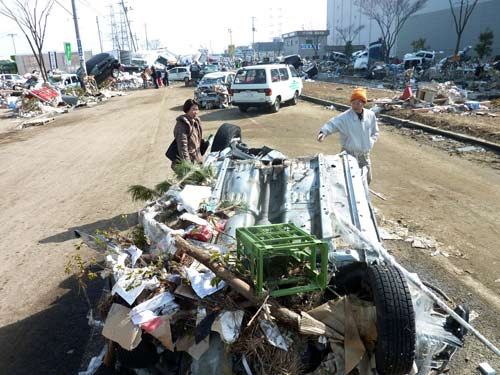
<point x="283" y="314"/>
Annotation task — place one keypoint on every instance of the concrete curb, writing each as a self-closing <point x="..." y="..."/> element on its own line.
<point x="412" y="124"/>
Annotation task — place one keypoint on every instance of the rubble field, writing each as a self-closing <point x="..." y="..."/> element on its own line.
<point x="99" y="156"/>
<point x="479" y="125"/>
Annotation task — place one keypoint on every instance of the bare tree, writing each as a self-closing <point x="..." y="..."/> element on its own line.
<point x="31" y="17"/>
<point x="349" y="33"/>
<point x="390" y="16"/>
<point x="461" y="11"/>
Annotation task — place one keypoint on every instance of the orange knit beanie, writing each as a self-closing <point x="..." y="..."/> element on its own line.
<point x="359" y="93"/>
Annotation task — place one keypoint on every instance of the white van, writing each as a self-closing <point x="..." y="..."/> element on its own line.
<point x="265" y="86"/>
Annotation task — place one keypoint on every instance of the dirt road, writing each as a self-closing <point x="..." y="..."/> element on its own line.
<point x="74" y="173"/>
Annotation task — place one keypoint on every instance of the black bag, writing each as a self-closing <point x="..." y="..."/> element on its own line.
<point x="172" y="152"/>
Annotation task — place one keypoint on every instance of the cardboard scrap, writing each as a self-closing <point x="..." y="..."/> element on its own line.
<point x="163" y="333"/>
<point x="353" y="346"/>
<point x="120" y="329"/>
<point x="332" y="315"/>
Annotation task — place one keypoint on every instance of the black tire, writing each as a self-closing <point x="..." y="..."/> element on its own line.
<point x="224" y="136"/>
<point x="276" y="106"/>
<point x="395" y="351"/>
<point x="295" y="98"/>
<point x="243" y="108"/>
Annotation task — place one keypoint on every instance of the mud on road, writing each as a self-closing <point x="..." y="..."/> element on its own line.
<point x="74" y="173"/>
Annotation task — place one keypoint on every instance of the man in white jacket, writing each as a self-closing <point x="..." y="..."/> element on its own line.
<point x="358" y="130"/>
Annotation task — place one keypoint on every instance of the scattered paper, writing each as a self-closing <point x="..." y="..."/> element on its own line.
<point x="273" y="334"/>
<point x="201" y="280"/>
<point x="386" y="235"/>
<point x="228" y="324"/>
<point x="130" y="284"/>
<point x="95" y="363"/>
<point x="120" y="329"/>
<point x="135" y="253"/>
<point x="192" y="196"/>
<point x="161" y="304"/>
<point x="194" y="219"/>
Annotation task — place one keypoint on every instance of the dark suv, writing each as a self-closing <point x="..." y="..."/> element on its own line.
<point x="102" y="66"/>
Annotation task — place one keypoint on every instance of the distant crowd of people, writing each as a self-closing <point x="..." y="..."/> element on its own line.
<point x="159" y="77"/>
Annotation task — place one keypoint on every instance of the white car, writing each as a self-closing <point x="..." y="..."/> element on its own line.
<point x="64" y="81"/>
<point x="360" y="60"/>
<point x="11" y="81"/>
<point x="265" y="86"/>
<point x="180" y="73"/>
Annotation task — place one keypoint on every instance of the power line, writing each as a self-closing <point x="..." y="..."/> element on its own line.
<point x="62" y="6"/>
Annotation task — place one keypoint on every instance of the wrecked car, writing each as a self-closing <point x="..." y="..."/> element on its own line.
<point x="296" y="241"/>
<point x="420" y="59"/>
<point x="101" y="66"/>
<point x="213" y="90"/>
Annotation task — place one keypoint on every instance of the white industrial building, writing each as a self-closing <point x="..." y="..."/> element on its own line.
<point x="344" y="13"/>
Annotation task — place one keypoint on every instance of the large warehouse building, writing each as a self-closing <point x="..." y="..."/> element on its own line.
<point x="434" y="23"/>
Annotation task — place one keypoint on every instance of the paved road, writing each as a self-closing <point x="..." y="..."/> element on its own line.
<point x="74" y="173"/>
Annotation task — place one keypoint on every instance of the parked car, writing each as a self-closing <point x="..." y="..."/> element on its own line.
<point x="101" y="66"/>
<point x="180" y="73"/>
<point x="266" y="86"/>
<point x="63" y="81"/>
<point x="213" y="89"/>
<point x="11" y="81"/>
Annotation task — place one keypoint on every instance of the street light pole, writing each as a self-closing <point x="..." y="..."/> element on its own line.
<point x="147" y="41"/>
<point x="253" y="38"/>
<point x="99" y="32"/>
<point x="13" y="42"/>
<point x="79" y="43"/>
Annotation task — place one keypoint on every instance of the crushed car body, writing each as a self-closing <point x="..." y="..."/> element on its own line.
<point x="370" y="313"/>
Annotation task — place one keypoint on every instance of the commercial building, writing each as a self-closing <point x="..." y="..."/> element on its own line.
<point x="344" y="14"/>
<point x="435" y="24"/>
<point x="53" y="60"/>
<point x="306" y="43"/>
<point x="268" y="49"/>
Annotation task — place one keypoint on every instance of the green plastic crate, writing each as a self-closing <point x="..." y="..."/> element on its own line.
<point x="272" y="252"/>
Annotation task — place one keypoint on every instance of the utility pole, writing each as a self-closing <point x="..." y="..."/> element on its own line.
<point x="253" y="38"/>
<point x="125" y="10"/>
<point x="13" y="42"/>
<point x="99" y="32"/>
<point x="146" y="32"/>
<point x="230" y="36"/>
<point x="79" y="43"/>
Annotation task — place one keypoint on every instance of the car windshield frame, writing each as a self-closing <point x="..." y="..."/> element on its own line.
<point x="252" y="76"/>
<point x="213" y="80"/>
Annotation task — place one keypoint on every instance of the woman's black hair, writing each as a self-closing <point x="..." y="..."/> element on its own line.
<point x="188" y="104"/>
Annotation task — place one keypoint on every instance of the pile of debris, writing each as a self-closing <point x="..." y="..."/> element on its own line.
<point x="211" y="286"/>
<point x="436" y="98"/>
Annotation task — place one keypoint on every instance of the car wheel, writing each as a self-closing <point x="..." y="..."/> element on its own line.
<point x="225" y="134"/>
<point x="295" y="98"/>
<point x="243" y="108"/>
<point x="276" y="106"/>
<point x="115" y="73"/>
<point x="395" y="348"/>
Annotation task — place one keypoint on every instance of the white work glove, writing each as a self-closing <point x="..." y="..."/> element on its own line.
<point x="321" y="137"/>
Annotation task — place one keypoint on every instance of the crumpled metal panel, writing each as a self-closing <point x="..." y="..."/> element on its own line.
<point x="309" y="192"/>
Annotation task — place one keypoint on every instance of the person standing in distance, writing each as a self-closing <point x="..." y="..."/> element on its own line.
<point x="358" y="130"/>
